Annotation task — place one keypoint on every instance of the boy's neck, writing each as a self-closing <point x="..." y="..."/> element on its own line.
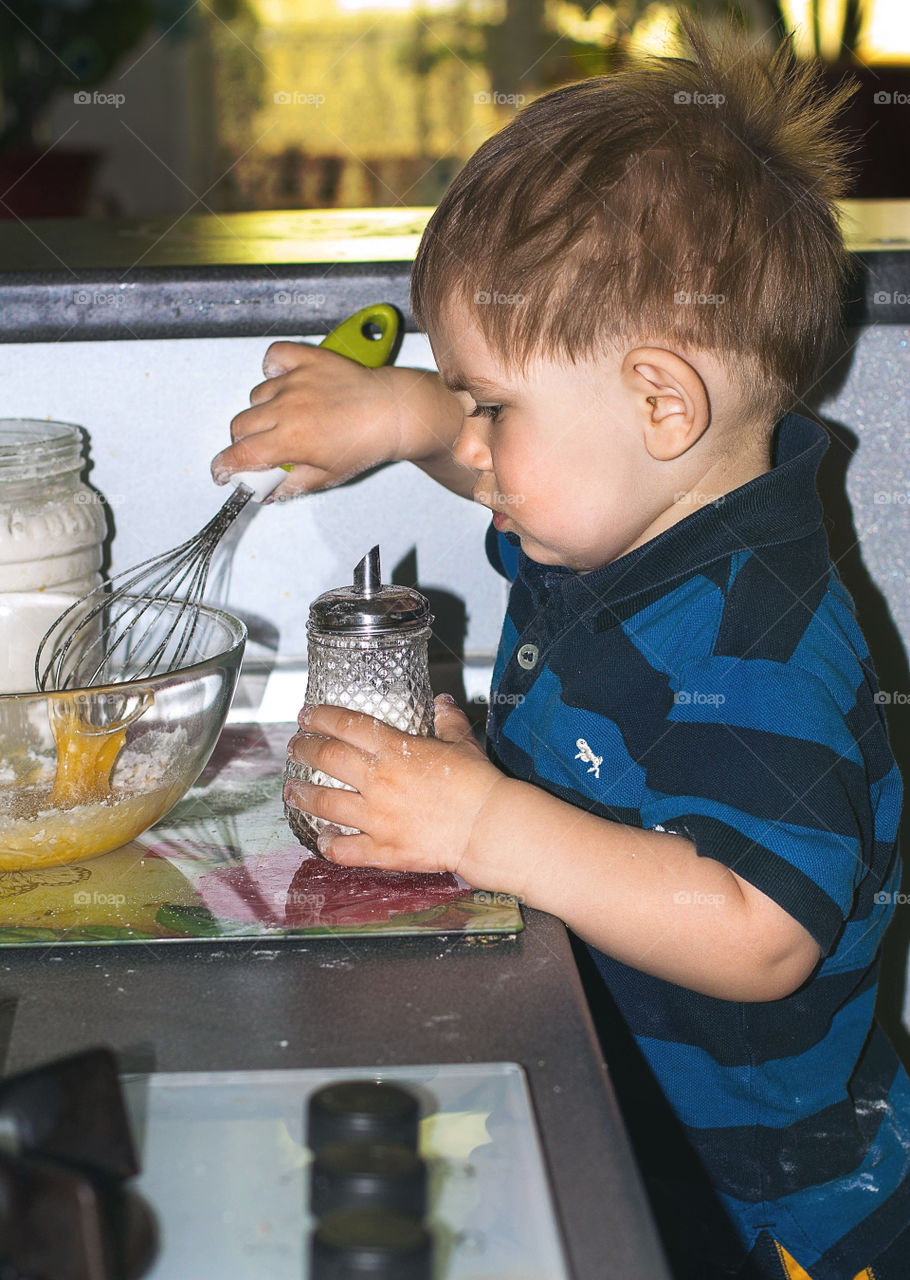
<point x="731" y="471"/>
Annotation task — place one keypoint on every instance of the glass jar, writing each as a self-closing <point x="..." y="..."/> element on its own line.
<point x="52" y="528"/>
<point x="367" y="651"/>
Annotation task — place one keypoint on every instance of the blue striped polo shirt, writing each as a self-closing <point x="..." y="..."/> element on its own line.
<point x="714" y="683"/>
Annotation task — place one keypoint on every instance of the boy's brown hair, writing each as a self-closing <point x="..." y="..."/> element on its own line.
<point x="683" y="201"/>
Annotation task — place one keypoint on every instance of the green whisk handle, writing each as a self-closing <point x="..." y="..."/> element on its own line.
<point x="371" y="337"/>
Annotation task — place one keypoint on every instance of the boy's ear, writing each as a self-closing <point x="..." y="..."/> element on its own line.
<point x="669" y="398"/>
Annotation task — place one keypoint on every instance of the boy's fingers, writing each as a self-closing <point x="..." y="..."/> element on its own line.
<point x="282" y="356"/>
<point x="331" y="756"/>
<point x="352" y="727"/>
<point x="347" y="851"/>
<point x="332" y="804"/>
<point x="325" y="838"/>
<point x="451" y="723"/>
<point x="252" y="453"/>
<point x="263" y="391"/>
<point x="252" y="422"/>
<point x="301" y="479"/>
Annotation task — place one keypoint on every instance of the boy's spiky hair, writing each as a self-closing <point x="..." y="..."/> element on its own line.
<point x="688" y="202"/>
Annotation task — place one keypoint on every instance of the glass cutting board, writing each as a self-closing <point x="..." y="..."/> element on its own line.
<point x="224" y="865"/>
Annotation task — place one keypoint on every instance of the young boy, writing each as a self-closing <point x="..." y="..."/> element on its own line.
<point x="686" y="761"/>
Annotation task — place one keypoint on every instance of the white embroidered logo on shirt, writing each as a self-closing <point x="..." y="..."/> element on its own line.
<point x="585" y="753"/>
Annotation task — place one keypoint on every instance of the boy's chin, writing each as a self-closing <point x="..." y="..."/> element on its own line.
<point x="578" y="562"/>
<point x="538" y="552"/>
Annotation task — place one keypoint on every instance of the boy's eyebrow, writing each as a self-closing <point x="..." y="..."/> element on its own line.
<point x="461" y="382"/>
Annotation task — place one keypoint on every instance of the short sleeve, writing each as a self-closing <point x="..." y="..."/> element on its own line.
<point x="766" y="773"/>
<point x="502" y="552"/>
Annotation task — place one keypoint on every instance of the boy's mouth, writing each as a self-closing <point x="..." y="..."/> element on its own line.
<point x="490" y="501"/>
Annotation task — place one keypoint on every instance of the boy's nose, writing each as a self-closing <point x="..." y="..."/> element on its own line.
<point x="471" y="448"/>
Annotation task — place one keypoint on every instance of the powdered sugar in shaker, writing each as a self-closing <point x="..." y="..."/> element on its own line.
<point x="367" y="651"/>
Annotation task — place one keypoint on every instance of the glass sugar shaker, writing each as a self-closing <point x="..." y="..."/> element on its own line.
<point x="367" y="650"/>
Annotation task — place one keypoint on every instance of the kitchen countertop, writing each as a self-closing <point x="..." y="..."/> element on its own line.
<point x="361" y="1002"/>
<point x="256" y="274"/>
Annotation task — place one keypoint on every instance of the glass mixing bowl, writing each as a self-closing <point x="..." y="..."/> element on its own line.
<point x="86" y="771"/>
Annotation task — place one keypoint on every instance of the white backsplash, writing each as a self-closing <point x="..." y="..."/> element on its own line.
<point x="157" y="411"/>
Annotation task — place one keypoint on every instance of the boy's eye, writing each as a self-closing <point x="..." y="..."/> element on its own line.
<point x="491" y="411"/>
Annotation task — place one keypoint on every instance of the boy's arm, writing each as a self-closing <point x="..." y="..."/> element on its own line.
<point x="332" y="419"/>
<point x="643" y="897"/>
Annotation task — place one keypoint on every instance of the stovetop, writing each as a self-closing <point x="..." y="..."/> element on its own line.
<point x="226" y="1170"/>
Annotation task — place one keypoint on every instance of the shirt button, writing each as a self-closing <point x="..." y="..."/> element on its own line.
<point x="527" y="656"/>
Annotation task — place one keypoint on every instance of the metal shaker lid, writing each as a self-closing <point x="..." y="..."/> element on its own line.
<point x="369" y="606"/>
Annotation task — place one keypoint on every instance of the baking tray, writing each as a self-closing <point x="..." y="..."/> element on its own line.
<point x="224" y="865"/>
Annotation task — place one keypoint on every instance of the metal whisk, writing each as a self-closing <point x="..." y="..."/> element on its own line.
<point x="111" y="634"/>
<point x="142" y="621"/>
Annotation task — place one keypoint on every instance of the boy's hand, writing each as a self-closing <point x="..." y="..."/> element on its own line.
<point x="327" y="415"/>
<point x="331" y="418"/>
<point x="416" y="799"/>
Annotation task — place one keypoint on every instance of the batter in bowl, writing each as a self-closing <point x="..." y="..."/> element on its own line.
<point x="98" y="797"/>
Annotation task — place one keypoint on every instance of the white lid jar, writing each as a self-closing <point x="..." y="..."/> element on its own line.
<point x="52" y="529"/>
